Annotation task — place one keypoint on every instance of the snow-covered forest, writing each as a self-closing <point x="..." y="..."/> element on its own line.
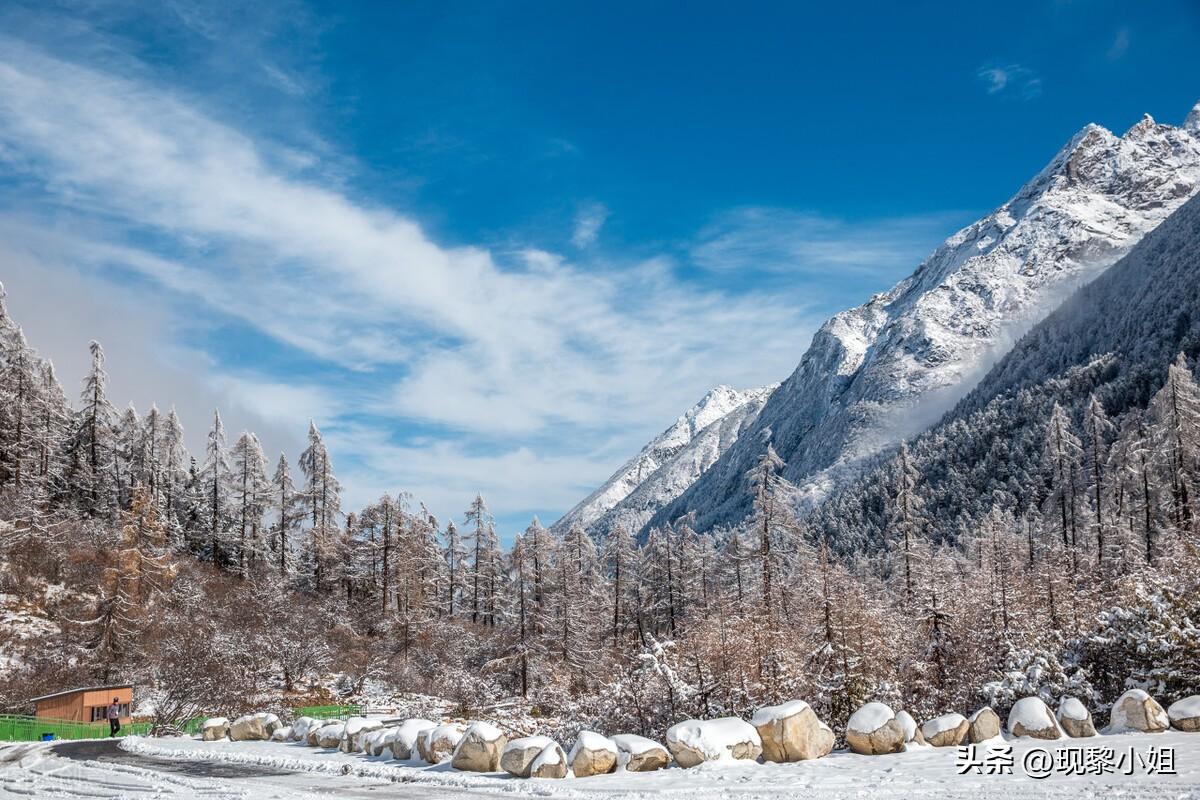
<point x="218" y="578"/>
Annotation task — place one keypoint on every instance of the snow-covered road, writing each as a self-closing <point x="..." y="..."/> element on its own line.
<point x="166" y="768"/>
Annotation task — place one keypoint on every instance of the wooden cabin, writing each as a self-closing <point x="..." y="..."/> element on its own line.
<point x="85" y="705"/>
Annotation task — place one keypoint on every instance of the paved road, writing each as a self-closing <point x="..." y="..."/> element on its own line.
<point x="258" y="781"/>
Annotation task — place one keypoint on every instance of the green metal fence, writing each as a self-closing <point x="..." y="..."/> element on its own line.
<point x="328" y="712"/>
<point x="14" y="728"/>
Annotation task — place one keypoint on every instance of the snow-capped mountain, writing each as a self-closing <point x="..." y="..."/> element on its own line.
<point x="891" y="367"/>
<point x="670" y="463"/>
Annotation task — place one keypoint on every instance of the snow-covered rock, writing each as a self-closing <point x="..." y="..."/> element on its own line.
<point x="302" y="725"/>
<point x="550" y="763"/>
<point x="214" y="728"/>
<point x="356" y="728"/>
<point x="912" y="731"/>
<point x="1185" y="714"/>
<point x="1137" y="711"/>
<point x="479" y="749"/>
<point x="592" y="754"/>
<point x="282" y="734"/>
<point x="379" y="741"/>
<point x="873" y="730"/>
<point x="403" y="741"/>
<point x="792" y="732"/>
<point x="1075" y="719"/>
<point x="518" y="754"/>
<point x="669" y="464"/>
<point x="253" y="727"/>
<point x="887" y="369"/>
<point x="329" y="735"/>
<point x="639" y="754"/>
<point x="437" y="744"/>
<point x="984" y="725"/>
<point x="1030" y="716"/>
<point x="695" y="741"/>
<point x="948" y="730"/>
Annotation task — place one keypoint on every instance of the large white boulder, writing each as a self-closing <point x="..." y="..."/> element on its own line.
<point x="1030" y="716"/>
<point x="592" y="754"/>
<point x="639" y="754"/>
<point x="403" y="742"/>
<point x="792" y="732"/>
<point x="437" y="744"/>
<point x="550" y="763"/>
<point x="301" y="726"/>
<point x="695" y="741"/>
<point x="912" y="731"/>
<point x="1137" y="711"/>
<point x="1074" y="718"/>
<point x="214" y="728"/>
<point x="984" y="725"/>
<point x="1185" y="714"/>
<point x="873" y="730"/>
<point x="518" y="754"/>
<point x="479" y="749"/>
<point x="329" y="735"/>
<point x="251" y="728"/>
<point x="948" y="730"/>
<point x="356" y="728"/>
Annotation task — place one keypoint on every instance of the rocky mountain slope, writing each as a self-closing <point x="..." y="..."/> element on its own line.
<point x="1111" y="340"/>
<point x="890" y="367"/>
<point x="670" y="463"/>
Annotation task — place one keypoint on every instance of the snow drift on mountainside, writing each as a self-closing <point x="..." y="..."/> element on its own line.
<point x="669" y="463"/>
<point x="890" y="367"/>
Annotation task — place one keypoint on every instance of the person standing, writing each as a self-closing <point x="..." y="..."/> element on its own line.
<point x="114" y="717"/>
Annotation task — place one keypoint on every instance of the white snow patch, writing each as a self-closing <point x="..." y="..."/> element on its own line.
<point x="870" y="718"/>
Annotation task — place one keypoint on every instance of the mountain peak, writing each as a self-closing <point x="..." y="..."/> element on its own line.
<point x="1192" y="123"/>
<point x="1143" y="126"/>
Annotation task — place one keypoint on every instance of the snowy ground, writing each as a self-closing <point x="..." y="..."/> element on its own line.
<point x="189" y="768"/>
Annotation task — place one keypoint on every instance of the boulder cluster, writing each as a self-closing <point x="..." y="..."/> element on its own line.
<point x="784" y="733"/>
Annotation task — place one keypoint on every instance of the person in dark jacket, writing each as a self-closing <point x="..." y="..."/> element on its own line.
<point x="114" y="717"/>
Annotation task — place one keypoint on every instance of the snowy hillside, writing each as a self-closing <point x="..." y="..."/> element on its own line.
<point x="670" y="463"/>
<point x="890" y="367"/>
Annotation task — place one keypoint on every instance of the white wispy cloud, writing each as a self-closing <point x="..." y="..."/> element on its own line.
<point x="1015" y="79"/>
<point x="537" y="358"/>
<point x="588" y="222"/>
<point x="807" y="244"/>
<point x="1120" y="44"/>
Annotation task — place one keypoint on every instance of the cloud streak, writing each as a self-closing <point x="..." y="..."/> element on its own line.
<point x="1011" y="79"/>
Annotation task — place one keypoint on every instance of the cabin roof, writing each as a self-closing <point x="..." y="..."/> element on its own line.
<point x="81" y="689"/>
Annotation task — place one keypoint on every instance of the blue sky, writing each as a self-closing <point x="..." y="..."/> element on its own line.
<point x="496" y="247"/>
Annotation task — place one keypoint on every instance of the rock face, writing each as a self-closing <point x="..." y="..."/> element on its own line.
<point x="479" y="749"/>
<point x="1030" y="716"/>
<point x="639" y="754"/>
<point x="792" y="732"/>
<point x="214" y="729"/>
<point x="912" y="732"/>
<point x="885" y="370"/>
<point x="437" y="744"/>
<point x="873" y="731"/>
<point x="1137" y="711"/>
<point x="948" y="730"/>
<point x="669" y="464"/>
<point x="550" y="763"/>
<point x="985" y="724"/>
<point x="518" y="755"/>
<point x="592" y="754"/>
<point x="695" y="741"/>
<point x="250" y="728"/>
<point x="1075" y="719"/>
<point x="1185" y="714"/>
